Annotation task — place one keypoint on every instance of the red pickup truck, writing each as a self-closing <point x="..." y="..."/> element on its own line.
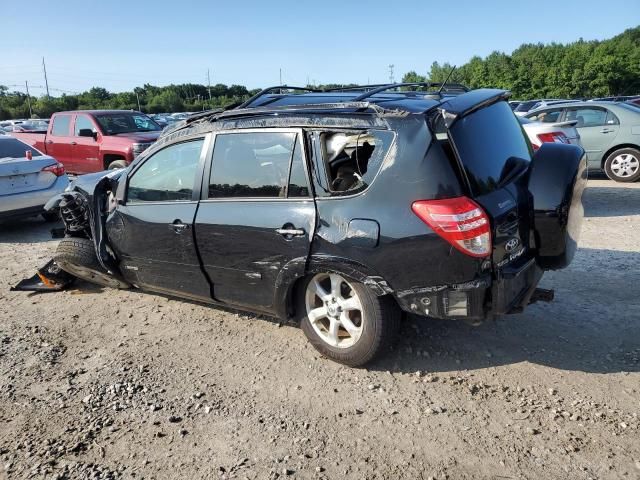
<point x="88" y="141"/>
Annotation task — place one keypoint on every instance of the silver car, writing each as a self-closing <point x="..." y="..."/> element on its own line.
<point x="28" y="179"/>
<point x="559" y="132"/>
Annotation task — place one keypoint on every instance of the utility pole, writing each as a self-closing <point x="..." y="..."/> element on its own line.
<point x="209" y="84"/>
<point x="46" y="82"/>
<point x="138" y="98"/>
<point x="391" y="79"/>
<point x="26" y="84"/>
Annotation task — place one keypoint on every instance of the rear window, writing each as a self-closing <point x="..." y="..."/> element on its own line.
<point x="486" y="140"/>
<point x="14" y="148"/>
<point x="526" y="106"/>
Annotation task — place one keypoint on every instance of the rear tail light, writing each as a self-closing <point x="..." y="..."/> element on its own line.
<point x="460" y="221"/>
<point x="553" y="137"/>
<point x="57" y="169"/>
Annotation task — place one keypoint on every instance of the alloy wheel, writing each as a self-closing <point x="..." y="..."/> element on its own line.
<point x="625" y="165"/>
<point x="334" y="310"/>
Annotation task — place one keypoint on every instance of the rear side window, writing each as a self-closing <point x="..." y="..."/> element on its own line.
<point x="167" y="175"/>
<point x="487" y="142"/>
<point x="14" y="148"/>
<point x="353" y="159"/>
<point x="258" y="165"/>
<point x="61" y="125"/>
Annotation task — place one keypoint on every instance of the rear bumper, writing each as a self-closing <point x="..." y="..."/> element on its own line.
<point x="30" y="203"/>
<point x="484" y="298"/>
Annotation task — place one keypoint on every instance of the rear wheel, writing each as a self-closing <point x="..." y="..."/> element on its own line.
<point x="623" y="165"/>
<point x="344" y="320"/>
<point x="77" y="256"/>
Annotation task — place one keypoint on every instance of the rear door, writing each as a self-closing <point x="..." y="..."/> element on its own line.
<point x="495" y="157"/>
<point x="85" y="151"/>
<point x="152" y="233"/>
<point x="60" y="141"/>
<point x="598" y="128"/>
<point x="256" y="215"/>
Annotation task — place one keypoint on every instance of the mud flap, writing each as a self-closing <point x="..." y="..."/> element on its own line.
<point x="50" y="278"/>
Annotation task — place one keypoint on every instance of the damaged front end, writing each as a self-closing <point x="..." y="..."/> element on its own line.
<point x="83" y="209"/>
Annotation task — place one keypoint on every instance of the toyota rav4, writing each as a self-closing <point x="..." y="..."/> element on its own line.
<point x="337" y="209"/>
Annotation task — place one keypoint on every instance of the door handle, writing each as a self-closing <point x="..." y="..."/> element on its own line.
<point x="73" y="143"/>
<point x="178" y="227"/>
<point x="606" y="130"/>
<point x="49" y="142"/>
<point x="290" y="232"/>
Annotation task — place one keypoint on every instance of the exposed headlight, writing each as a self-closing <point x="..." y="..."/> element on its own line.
<point x="138" y="148"/>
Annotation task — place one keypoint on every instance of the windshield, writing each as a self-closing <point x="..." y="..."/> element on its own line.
<point x="630" y="106"/>
<point x="14" y="148"/>
<point x="115" y="123"/>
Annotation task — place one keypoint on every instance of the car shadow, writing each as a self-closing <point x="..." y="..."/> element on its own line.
<point x="27" y="230"/>
<point x="591" y="326"/>
<point x="611" y="201"/>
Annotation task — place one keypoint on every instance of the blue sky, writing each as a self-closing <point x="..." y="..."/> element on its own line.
<point x="121" y="44"/>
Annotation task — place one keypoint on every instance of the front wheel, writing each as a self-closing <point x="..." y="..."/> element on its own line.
<point x="77" y="256"/>
<point x="344" y="320"/>
<point x="623" y="165"/>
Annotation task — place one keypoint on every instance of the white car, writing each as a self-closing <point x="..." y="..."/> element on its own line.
<point x="28" y="179"/>
<point x="561" y="132"/>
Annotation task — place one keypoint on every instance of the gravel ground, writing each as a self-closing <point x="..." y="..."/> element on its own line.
<point x="98" y="383"/>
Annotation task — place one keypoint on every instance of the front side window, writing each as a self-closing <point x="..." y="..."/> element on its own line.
<point x="258" y="165"/>
<point x="168" y="175"/>
<point x="83" y="123"/>
<point x="588" y="117"/>
<point x="61" y="125"/>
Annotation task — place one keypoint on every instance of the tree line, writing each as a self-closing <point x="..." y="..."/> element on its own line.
<point x="581" y="69"/>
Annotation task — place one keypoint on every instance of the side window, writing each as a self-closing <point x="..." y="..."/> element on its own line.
<point x="547" y="116"/>
<point x="353" y="159"/>
<point x="168" y="175"/>
<point x="258" y="165"/>
<point x="612" y="119"/>
<point x="83" y="123"/>
<point x="61" y="125"/>
<point x="588" y="117"/>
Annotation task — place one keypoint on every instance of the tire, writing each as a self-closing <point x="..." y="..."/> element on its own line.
<point x="623" y="165"/>
<point x="373" y="326"/>
<point x="117" y="164"/>
<point x="51" y="216"/>
<point x="77" y="256"/>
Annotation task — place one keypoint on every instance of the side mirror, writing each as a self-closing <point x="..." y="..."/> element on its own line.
<point x="87" y="132"/>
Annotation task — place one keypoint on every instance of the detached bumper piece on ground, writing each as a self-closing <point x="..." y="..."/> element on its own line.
<point x="50" y="278"/>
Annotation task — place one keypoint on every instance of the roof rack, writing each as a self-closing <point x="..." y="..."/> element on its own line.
<point x="274" y="88"/>
<point x="442" y="87"/>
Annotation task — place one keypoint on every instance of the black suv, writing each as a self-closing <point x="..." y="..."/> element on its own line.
<point x="339" y="209"/>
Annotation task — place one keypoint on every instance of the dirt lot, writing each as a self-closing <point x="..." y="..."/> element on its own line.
<point x="118" y="384"/>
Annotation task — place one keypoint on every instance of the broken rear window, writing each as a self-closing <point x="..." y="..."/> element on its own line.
<point x="353" y="159"/>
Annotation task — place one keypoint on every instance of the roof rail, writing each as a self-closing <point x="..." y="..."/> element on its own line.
<point x="272" y="89"/>
<point x="384" y="88"/>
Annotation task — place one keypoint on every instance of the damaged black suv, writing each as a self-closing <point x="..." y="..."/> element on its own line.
<point x="338" y="209"/>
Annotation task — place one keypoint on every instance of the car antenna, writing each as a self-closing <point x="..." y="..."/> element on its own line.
<point x="446" y="80"/>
